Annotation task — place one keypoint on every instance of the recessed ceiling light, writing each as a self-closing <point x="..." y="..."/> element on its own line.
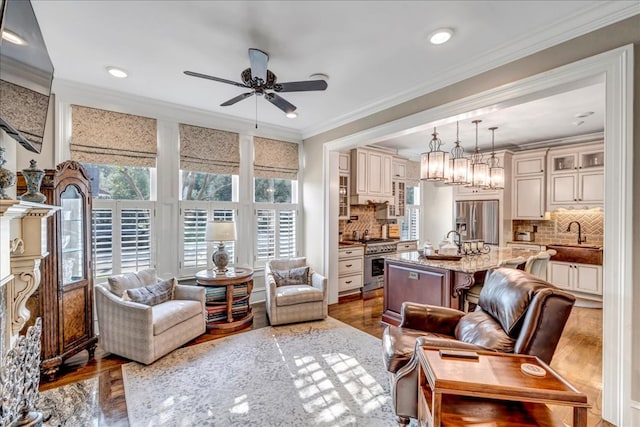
<point x="117" y="72"/>
<point x="578" y="122"/>
<point x="583" y="115"/>
<point x="12" y="37"/>
<point x="441" y="35"/>
<point x="319" y="76"/>
<point x="292" y="114"/>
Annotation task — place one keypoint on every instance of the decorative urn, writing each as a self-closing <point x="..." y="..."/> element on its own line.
<point x="7" y="178"/>
<point x="33" y="176"/>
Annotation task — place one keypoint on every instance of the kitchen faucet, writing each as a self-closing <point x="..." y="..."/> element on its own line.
<point x="457" y="241"/>
<point x="580" y="239"/>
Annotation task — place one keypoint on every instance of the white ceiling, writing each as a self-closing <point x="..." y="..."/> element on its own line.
<point x="376" y="54"/>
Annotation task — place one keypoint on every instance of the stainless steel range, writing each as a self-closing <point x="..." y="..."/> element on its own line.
<point x="374" y="251"/>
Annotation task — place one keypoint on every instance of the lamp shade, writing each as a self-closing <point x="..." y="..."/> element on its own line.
<point x="220" y="231"/>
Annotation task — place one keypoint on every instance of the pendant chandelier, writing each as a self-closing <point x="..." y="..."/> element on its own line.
<point x="433" y="163"/>
<point x="458" y="163"/>
<point x="479" y="170"/>
<point x="496" y="172"/>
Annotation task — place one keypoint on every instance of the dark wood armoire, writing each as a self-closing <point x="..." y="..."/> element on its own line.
<point x="64" y="299"/>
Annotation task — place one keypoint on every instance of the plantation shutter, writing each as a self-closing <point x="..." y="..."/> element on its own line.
<point x="287" y="223"/>
<point x="135" y="238"/>
<point x="110" y="138"/>
<point x="275" y="159"/>
<point x="194" y="249"/>
<point x="209" y="150"/>
<point x="102" y="245"/>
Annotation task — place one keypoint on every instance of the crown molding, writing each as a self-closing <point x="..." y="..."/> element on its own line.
<point x="590" y="19"/>
<point x="69" y="92"/>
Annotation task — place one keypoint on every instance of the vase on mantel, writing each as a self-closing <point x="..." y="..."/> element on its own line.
<point x="33" y="176"/>
<point x="7" y="178"/>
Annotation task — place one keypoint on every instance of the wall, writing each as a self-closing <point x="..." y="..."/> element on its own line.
<point x="625" y="32"/>
<point x="554" y="230"/>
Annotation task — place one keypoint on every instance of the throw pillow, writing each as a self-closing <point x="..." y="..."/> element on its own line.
<point x="121" y="282"/>
<point x="152" y="294"/>
<point x="294" y="276"/>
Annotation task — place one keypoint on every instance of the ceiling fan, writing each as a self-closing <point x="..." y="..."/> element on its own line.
<point x="261" y="80"/>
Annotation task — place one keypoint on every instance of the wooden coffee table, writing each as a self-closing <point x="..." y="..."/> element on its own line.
<point x="492" y="390"/>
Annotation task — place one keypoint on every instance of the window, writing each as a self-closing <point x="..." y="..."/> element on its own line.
<point x="196" y="252"/>
<point x="207" y="186"/>
<point x="275" y="234"/>
<point x="122" y="237"/>
<point x="411" y="221"/>
<point x="271" y="190"/>
<point x="119" y="182"/>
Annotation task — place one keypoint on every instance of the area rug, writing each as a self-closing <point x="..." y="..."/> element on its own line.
<point x="70" y="405"/>
<point x="322" y="373"/>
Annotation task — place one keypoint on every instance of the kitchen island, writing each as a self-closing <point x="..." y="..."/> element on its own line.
<point x="411" y="277"/>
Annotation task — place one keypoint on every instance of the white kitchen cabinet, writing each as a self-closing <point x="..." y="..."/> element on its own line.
<point x="399" y="168"/>
<point x="528" y="197"/>
<point x="344" y="163"/>
<point x="529" y="184"/>
<point x="576" y="177"/>
<point x="350" y="268"/>
<point x="575" y="277"/>
<point x="407" y="246"/>
<point x="371" y="172"/>
<point x="462" y="192"/>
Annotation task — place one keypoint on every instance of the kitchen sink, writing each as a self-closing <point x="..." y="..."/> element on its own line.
<point x="583" y="254"/>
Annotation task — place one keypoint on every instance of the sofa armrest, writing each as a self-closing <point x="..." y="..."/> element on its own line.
<point x="318" y="281"/>
<point x="114" y="309"/>
<point x="430" y="318"/>
<point x="188" y="292"/>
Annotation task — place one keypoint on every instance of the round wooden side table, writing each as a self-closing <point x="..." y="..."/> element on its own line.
<point x="227" y="298"/>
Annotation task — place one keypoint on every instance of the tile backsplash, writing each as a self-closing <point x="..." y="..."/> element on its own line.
<point x="366" y="221"/>
<point x="554" y="230"/>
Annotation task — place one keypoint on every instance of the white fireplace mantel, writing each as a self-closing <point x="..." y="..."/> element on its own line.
<point x="23" y="244"/>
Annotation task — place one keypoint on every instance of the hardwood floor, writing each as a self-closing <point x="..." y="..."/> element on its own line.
<point x="578" y="358"/>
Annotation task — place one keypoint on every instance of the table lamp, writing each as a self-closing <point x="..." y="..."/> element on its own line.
<point x="220" y="231"/>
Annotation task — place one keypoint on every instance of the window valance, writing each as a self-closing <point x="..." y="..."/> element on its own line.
<point x="275" y="159"/>
<point x="209" y="150"/>
<point x="107" y="137"/>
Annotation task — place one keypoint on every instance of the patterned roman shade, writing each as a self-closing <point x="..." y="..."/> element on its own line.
<point x="275" y="159"/>
<point x="107" y="137"/>
<point x="209" y="150"/>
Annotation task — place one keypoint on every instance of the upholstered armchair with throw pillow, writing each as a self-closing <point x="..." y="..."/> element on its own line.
<point x="295" y="293"/>
<point x="143" y="318"/>
<point x="517" y="312"/>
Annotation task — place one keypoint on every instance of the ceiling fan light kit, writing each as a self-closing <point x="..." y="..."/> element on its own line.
<point x="261" y="81"/>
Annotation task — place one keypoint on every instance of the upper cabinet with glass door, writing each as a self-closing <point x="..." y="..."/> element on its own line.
<point x="576" y="176"/>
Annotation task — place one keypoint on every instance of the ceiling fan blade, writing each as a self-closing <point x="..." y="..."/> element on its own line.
<point x="217" y="79"/>
<point x="258" y="60"/>
<point x="279" y="102"/>
<point x="236" y="99"/>
<point x="300" y="86"/>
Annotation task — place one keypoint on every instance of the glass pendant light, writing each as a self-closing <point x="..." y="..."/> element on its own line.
<point x="496" y="172"/>
<point x="479" y="176"/>
<point x="458" y="163"/>
<point x="432" y="164"/>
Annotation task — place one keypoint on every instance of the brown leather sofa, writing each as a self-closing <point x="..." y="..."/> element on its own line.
<point x="516" y="313"/>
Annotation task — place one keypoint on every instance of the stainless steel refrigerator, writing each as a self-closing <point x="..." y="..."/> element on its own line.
<point x="478" y="220"/>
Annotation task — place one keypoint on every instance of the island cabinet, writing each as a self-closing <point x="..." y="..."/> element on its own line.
<point x="413" y="278"/>
<point x="424" y="285"/>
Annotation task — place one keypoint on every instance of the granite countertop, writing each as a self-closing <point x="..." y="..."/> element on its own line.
<point x="468" y="263"/>
<point x="349" y="243"/>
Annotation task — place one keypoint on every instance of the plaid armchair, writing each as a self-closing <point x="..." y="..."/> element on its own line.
<point x="145" y="333"/>
<point x="289" y="302"/>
